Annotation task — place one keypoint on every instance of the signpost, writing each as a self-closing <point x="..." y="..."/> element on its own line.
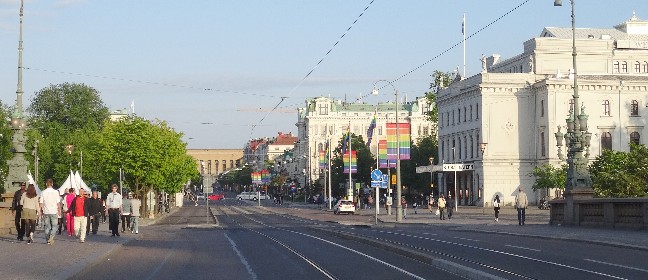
<point x="377" y="181"/>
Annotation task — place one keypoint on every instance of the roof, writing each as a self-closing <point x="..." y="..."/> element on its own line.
<point x="632" y="29"/>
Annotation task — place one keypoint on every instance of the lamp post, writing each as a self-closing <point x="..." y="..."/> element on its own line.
<point x="399" y="206"/>
<point x="69" y="149"/>
<point x="577" y="138"/>
<point x="431" y="159"/>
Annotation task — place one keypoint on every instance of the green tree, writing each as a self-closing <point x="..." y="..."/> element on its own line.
<point x="422" y="150"/>
<point x="5" y="143"/>
<point x="366" y="163"/>
<point x="621" y="174"/>
<point x="441" y="80"/>
<point x="549" y="177"/>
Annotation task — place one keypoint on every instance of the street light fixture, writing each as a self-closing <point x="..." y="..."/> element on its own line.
<point x="399" y="206"/>
<point x="577" y="138"/>
<point x="69" y="149"/>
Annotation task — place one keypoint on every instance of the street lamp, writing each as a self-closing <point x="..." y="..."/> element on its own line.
<point x="399" y="212"/>
<point x="577" y="137"/>
<point x="431" y="174"/>
<point x="69" y="149"/>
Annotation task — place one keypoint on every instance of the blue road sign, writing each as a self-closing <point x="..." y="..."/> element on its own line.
<point x="376" y="184"/>
<point x="376" y="175"/>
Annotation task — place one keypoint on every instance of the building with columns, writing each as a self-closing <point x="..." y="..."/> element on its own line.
<point x="324" y="118"/>
<point x="503" y="120"/>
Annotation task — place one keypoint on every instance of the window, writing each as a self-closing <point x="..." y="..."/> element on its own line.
<point x="465" y="114"/>
<point x="216" y="165"/>
<point x="615" y="67"/>
<point x="541" y="108"/>
<point x="637" y="67"/>
<point x="471" y="114"/>
<point x="543" y="151"/>
<point x="442" y="150"/>
<point x="459" y="151"/>
<point x="447" y="118"/>
<point x="472" y="147"/>
<point x="624" y="67"/>
<point x="231" y="164"/>
<point x="425" y="107"/>
<point x="606" y="141"/>
<point x="323" y="109"/>
<point x="634" y="138"/>
<point x="634" y="108"/>
<point x="477" y="111"/>
<point x="453" y="150"/>
<point x="425" y="130"/>
<point x="606" y="107"/>
<point x="459" y="116"/>
<point x="453" y="117"/>
<point x="645" y="67"/>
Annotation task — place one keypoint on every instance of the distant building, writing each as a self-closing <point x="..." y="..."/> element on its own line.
<point x="283" y="142"/>
<point x="216" y="161"/>
<point x="503" y="120"/>
<point x="324" y="118"/>
<point x="118" y="115"/>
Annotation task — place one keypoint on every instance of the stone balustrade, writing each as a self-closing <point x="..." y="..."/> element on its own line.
<point x="603" y="212"/>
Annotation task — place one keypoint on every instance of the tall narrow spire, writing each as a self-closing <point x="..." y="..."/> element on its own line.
<point x="19" y="91"/>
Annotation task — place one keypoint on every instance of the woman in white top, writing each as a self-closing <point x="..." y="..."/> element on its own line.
<point x="30" y="212"/>
<point x="496" y="207"/>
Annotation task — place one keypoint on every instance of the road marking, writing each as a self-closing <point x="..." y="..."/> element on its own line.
<point x="618" y="265"/>
<point x="468" y="239"/>
<point x="242" y="258"/>
<point x="524" y="248"/>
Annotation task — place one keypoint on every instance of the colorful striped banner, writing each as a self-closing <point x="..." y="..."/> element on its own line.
<point x="404" y="137"/>
<point x="354" y="162"/>
<point x="322" y="160"/>
<point x="383" y="162"/>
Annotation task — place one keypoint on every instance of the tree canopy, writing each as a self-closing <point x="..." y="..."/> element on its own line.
<point x="621" y="174"/>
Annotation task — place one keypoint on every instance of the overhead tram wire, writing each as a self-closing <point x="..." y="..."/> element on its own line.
<point x="452" y="47"/>
<point x="148" y="82"/>
<point x="314" y="67"/>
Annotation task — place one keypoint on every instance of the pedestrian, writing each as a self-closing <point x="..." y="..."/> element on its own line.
<point x="521" y="203"/>
<point x="135" y="205"/>
<point x="50" y="202"/>
<point x="16" y="210"/>
<point x="95" y="208"/>
<point x="370" y="201"/>
<point x="69" y="219"/>
<point x="114" y="208"/>
<point x="404" y="205"/>
<point x="30" y="211"/>
<point x="126" y="214"/>
<point x="450" y="204"/>
<point x="441" y="203"/>
<point x="60" y="216"/>
<point x="496" y="207"/>
<point x="430" y="203"/>
<point x="79" y="211"/>
<point x="103" y="211"/>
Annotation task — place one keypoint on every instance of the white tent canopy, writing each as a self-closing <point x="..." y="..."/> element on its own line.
<point x="30" y="179"/>
<point x="73" y="181"/>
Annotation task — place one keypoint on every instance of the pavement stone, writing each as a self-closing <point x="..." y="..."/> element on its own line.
<point x="65" y="258"/>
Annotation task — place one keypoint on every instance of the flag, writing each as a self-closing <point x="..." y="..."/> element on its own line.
<point x="382" y="156"/>
<point x="403" y="142"/>
<point x="370" y="130"/>
<point x="463" y="25"/>
<point x="352" y="164"/>
<point x="345" y="139"/>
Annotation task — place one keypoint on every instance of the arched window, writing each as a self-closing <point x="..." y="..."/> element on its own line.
<point x="624" y="67"/>
<point x="543" y="151"/>
<point x="459" y="151"/>
<point x="471" y="114"/>
<point x="459" y="116"/>
<point x="615" y="67"/>
<point x="606" y="107"/>
<point x="645" y="67"/>
<point x="606" y="141"/>
<point x="634" y="108"/>
<point x="216" y="165"/>
<point x="634" y="138"/>
<point x="472" y="147"/>
<point x="465" y="111"/>
<point x="637" y="67"/>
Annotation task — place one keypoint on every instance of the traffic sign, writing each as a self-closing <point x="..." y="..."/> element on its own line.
<point x="385" y="181"/>
<point x="458" y="167"/>
<point x="376" y="175"/>
<point x="376" y="184"/>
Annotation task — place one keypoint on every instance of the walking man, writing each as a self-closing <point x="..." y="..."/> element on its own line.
<point x="79" y="212"/>
<point x="521" y="204"/>
<point x="114" y="208"/>
<point x="50" y="203"/>
<point x="95" y="205"/>
<point x="16" y="210"/>
<point x="442" y="206"/>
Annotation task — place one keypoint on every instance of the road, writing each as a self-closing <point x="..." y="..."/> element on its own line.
<point x="244" y="241"/>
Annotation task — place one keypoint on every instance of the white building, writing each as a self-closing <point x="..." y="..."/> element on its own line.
<point x="503" y="120"/>
<point x="324" y="118"/>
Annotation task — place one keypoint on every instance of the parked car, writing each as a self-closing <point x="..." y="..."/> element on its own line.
<point x="252" y="196"/>
<point x="344" y="206"/>
<point x="216" y="196"/>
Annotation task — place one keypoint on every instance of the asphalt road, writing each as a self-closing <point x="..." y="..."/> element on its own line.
<point x="244" y="241"/>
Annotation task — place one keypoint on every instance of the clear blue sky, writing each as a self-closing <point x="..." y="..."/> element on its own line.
<point x="252" y="53"/>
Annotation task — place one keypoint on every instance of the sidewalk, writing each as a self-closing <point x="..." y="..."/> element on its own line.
<point x="66" y="257"/>
<point x="478" y="219"/>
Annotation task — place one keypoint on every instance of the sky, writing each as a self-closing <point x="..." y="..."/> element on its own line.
<point x="213" y="69"/>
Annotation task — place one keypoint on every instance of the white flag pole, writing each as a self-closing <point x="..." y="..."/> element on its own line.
<point x="463" y="33"/>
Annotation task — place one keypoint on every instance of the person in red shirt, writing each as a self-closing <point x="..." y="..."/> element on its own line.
<point x="80" y="212"/>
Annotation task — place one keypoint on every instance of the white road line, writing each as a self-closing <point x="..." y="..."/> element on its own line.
<point x="618" y="265"/>
<point x="468" y="239"/>
<point x="242" y="258"/>
<point x="524" y="248"/>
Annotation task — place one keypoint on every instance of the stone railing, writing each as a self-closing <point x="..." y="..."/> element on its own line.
<point x="603" y="212"/>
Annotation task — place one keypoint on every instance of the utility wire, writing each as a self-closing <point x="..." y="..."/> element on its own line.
<point x="452" y="47"/>
<point x="148" y="82"/>
<point x="314" y="67"/>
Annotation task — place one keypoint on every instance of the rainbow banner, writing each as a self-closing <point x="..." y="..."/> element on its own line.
<point x="256" y="177"/>
<point x="383" y="162"/>
<point x="354" y="162"/>
<point x="322" y="160"/>
<point x="265" y="176"/>
<point x="404" y="137"/>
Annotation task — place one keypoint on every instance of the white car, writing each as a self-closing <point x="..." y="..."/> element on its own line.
<point x="344" y="206"/>
<point x="251" y="196"/>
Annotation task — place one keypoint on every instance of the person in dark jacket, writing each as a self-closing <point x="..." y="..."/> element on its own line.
<point x="95" y="208"/>
<point x="16" y="209"/>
